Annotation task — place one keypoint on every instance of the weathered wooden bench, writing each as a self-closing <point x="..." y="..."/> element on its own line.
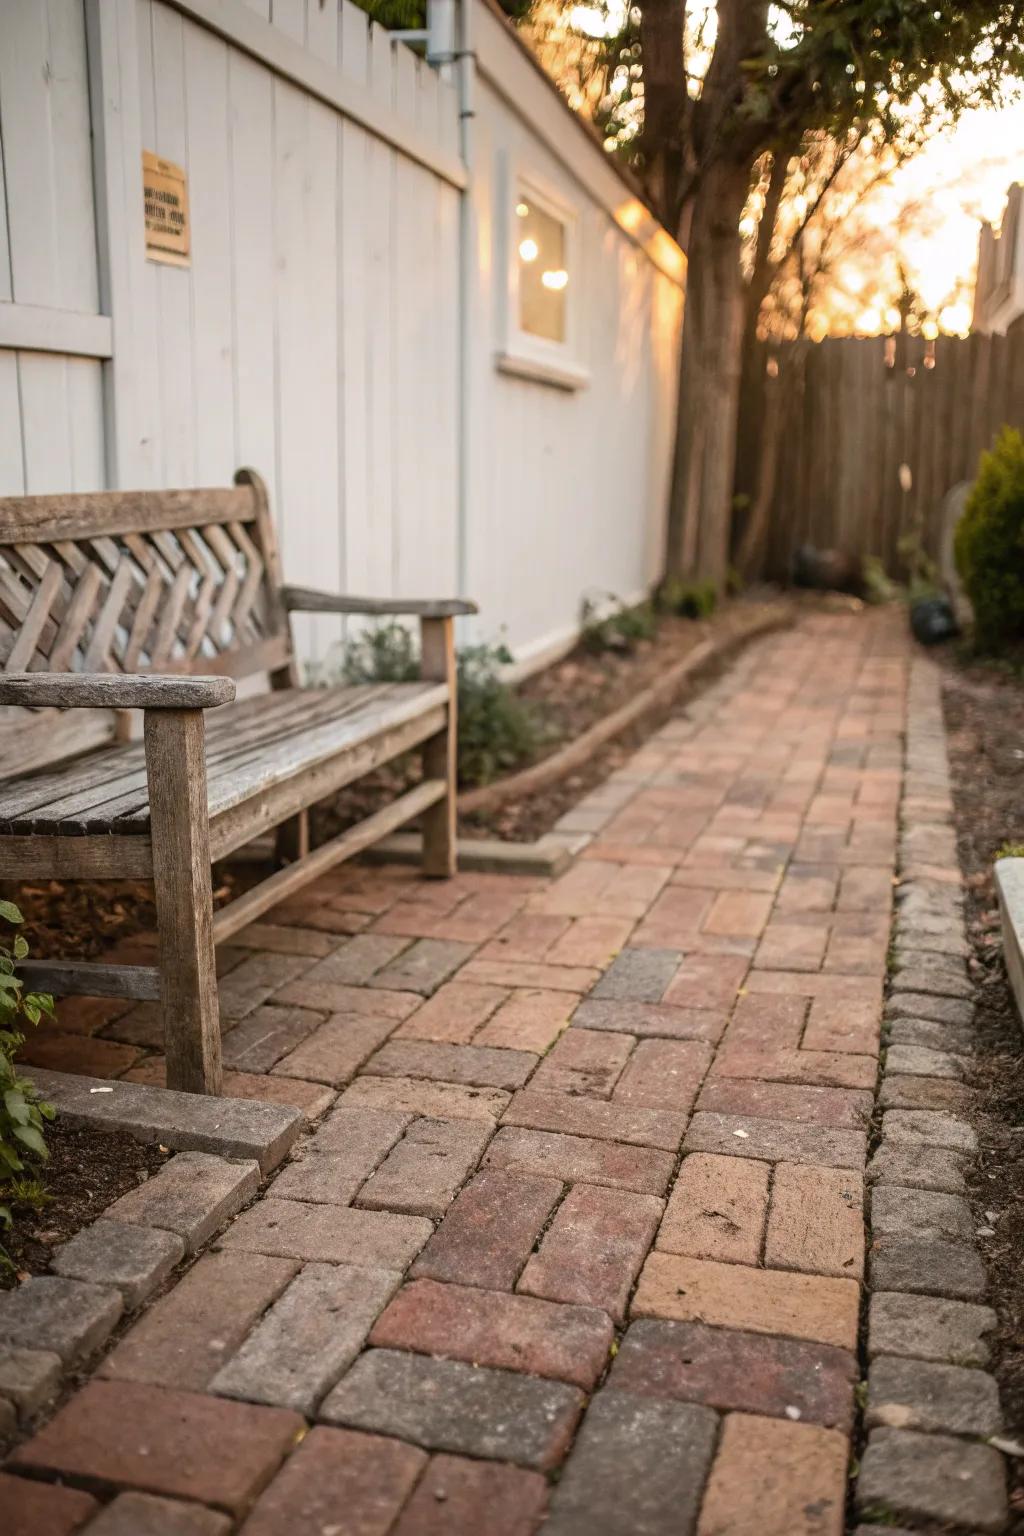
<point x="157" y="601"/>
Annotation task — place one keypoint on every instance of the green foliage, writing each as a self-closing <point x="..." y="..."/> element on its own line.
<point x="923" y="578"/>
<point x="610" y="625"/>
<point x="22" y="1112"/>
<point x="383" y="653"/>
<point x="879" y="586"/>
<point x="989" y="544"/>
<point x="689" y="599"/>
<point x="497" y="729"/>
<point x="1010" y="851"/>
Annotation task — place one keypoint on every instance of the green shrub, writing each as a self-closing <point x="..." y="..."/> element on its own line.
<point x="383" y="653"/>
<point x="611" y="625"/>
<point x="689" y="599"/>
<point x="989" y="544"/>
<point x="23" y="1114"/>
<point x="497" y="729"/>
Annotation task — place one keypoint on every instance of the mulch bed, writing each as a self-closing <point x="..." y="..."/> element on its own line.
<point x="87" y="1171"/>
<point x="984" y="710"/>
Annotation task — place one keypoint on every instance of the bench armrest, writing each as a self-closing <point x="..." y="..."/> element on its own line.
<point x="113" y="690"/>
<point x="308" y="600"/>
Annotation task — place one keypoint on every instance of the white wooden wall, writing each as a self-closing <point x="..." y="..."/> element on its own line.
<point x="51" y="418"/>
<point x="315" y="334"/>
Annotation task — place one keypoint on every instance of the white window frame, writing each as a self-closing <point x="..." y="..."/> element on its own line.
<point x="519" y="352"/>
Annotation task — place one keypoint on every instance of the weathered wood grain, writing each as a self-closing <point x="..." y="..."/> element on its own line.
<point x="439" y="754"/>
<point x="113" y="690"/>
<point x="307" y="600"/>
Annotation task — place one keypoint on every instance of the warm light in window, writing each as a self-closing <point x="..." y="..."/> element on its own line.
<point x="529" y="250"/>
<point x="522" y="209"/>
<point x="555" y="280"/>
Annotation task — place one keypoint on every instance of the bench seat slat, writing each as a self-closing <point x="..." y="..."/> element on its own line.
<point x="249" y="749"/>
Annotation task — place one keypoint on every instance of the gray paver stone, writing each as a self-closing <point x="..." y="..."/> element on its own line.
<point x="899" y="1212"/>
<point x="919" y="1394"/>
<point x="135" y="1259"/>
<point x="448" y="1405"/>
<point x="920" y="1005"/>
<point x="424" y="966"/>
<point x="929" y="1328"/>
<point x="309" y="1336"/>
<point x="928" y="1128"/>
<point x="71" y="1318"/>
<point x="424" y="1172"/>
<point x="28" y="1377"/>
<point x="638" y="1465"/>
<point x="240" y="1128"/>
<point x="194" y="1195"/>
<point x="918" y="1167"/>
<point x="141" y="1514"/>
<point x="928" y="1266"/>
<point x="638" y="976"/>
<point x="933" y="1477"/>
<point x="934" y="981"/>
<point x="921" y="1061"/>
<point x="946" y="1038"/>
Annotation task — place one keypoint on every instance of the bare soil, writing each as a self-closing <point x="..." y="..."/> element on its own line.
<point x="984" y="710"/>
<point x="87" y="1171"/>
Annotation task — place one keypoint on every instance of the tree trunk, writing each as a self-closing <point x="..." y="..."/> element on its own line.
<point x="700" y="501"/>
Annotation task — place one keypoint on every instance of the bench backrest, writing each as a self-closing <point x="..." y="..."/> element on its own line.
<point x="143" y="581"/>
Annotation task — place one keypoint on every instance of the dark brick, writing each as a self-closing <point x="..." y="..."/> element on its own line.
<point x="186" y="1336"/>
<point x="356" y="1483"/>
<point x="424" y="966"/>
<point x="458" y="1495"/>
<point x="329" y="1234"/>
<point x="567" y="1115"/>
<point x="929" y="1328"/>
<point x="489" y="1232"/>
<point x="518" y="1333"/>
<point x="309" y="1336"/>
<point x="580" y="1159"/>
<point x="478" y="1066"/>
<point x="424" y="1172"/>
<point x="268" y="1033"/>
<point x="638" y="976"/>
<point x="39" y="1509"/>
<point x="178" y="1444"/>
<point x="652" y="1020"/>
<point x="448" y="1405"/>
<point x="139" y="1514"/>
<point x="933" y="1477"/>
<point x="928" y="1266"/>
<point x="637" y="1469"/>
<point x="730" y="1370"/>
<point x="915" y="1394"/>
<point x="593" y="1250"/>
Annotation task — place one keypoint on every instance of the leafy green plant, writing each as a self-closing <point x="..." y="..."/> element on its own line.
<point x="879" y="586"/>
<point x="1010" y="851"/>
<point x="689" y="599"/>
<point x="23" y="1114"/>
<point x="923" y="578"/>
<point x="497" y="729"/>
<point x="382" y="653"/>
<point x="609" y="624"/>
<point x="989" y="544"/>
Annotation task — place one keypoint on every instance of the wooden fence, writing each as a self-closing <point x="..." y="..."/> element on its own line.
<point x="872" y="434"/>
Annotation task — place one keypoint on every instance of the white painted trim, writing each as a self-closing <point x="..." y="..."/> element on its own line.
<point x="244" y="29"/>
<point x="513" y="75"/>
<point x="32" y="328"/>
<point x="540" y="371"/>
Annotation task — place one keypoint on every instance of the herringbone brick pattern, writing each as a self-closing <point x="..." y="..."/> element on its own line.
<point x="583" y="1192"/>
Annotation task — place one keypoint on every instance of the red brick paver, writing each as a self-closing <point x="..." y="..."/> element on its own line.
<point x="598" y="1135"/>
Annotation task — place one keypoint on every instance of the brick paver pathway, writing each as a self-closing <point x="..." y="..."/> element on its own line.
<point x="588" y="1196"/>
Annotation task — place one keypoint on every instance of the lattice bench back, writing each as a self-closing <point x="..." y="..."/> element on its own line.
<point x="143" y="581"/>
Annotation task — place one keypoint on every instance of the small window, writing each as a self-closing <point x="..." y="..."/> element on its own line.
<point x="541" y="253"/>
<point x="540" y="323"/>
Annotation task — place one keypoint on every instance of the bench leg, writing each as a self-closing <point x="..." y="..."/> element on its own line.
<point x="291" y="841"/>
<point x="439" y="753"/>
<point x="176" y="770"/>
